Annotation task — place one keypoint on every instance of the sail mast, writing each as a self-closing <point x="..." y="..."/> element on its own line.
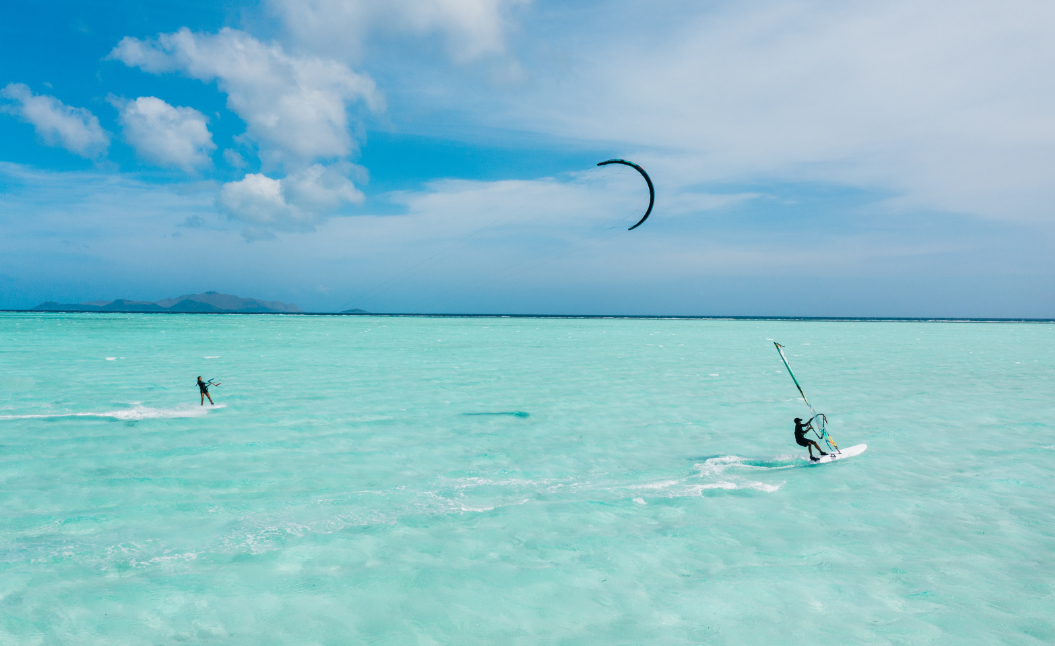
<point x="780" y="349"/>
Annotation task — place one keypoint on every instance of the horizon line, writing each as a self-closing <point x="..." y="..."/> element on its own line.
<point x="907" y="319"/>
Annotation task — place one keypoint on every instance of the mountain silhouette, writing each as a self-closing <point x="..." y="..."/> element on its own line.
<point x="207" y="302"/>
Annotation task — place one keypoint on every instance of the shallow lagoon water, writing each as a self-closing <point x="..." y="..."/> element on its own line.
<point x="522" y="481"/>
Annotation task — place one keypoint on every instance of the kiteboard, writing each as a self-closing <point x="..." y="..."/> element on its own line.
<point x="845" y="453"/>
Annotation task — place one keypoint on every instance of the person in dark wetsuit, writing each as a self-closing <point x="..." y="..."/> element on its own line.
<point x="800" y="437"/>
<point x="203" y="386"/>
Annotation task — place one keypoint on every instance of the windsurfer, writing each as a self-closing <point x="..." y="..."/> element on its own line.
<point x="800" y="437"/>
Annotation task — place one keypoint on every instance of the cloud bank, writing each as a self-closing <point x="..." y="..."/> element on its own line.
<point x="788" y="139"/>
<point x="470" y="29"/>
<point x="294" y="107"/>
<point x="514" y="246"/>
<point x="944" y="106"/>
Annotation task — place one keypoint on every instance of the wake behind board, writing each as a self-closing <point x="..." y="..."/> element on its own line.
<point x="846" y="453"/>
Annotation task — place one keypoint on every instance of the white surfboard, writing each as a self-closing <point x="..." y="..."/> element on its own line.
<point x="845" y="453"/>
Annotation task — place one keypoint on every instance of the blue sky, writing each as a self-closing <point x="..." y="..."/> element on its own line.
<point x="810" y="158"/>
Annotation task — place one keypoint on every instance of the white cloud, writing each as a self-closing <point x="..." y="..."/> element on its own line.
<point x="75" y="129"/>
<point x="944" y="104"/>
<point x="256" y="199"/>
<point x="294" y="203"/>
<point x="233" y="158"/>
<point x="471" y="28"/>
<point x="295" y="107"/>
<point x="166" y="135"/>
<point x="321" y="189"/>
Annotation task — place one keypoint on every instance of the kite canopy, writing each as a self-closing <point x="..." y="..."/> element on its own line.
<point x="648" y="180"/>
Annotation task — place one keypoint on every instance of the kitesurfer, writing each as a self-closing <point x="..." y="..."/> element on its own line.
<point x="800" y="437"/>
<point x="203" y="386"/>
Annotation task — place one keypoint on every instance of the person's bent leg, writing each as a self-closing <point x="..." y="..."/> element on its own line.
<point x="814" y="444"/>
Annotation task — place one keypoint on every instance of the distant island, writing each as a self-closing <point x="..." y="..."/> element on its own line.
<point x="208" y="302"/>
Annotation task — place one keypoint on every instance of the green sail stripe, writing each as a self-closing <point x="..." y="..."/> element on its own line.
<point x="785" y="360"/>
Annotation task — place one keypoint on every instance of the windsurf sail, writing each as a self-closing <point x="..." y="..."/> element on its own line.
<point x="780" y="349"/>
<point x="821" y="429"/>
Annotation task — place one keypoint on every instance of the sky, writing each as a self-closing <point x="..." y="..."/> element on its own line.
<point x="890" y="158"/>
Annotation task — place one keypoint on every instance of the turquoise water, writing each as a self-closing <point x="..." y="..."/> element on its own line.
<point x="367" y="480"/>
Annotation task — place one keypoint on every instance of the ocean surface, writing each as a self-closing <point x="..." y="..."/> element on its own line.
<point x="371" y="480"/>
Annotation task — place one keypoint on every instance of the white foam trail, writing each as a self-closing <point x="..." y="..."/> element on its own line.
<point x="718" y="466"/>
<point x="157" y="560"/>
<point x="762" y="486"/>
<point x="473" y="481"/>
<point x="712" y="471"/>
<point x="132" y="414"/>
<point x="663" y="484"/>
<point x="679" y="489"/>
<point x="463" y="507"/>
